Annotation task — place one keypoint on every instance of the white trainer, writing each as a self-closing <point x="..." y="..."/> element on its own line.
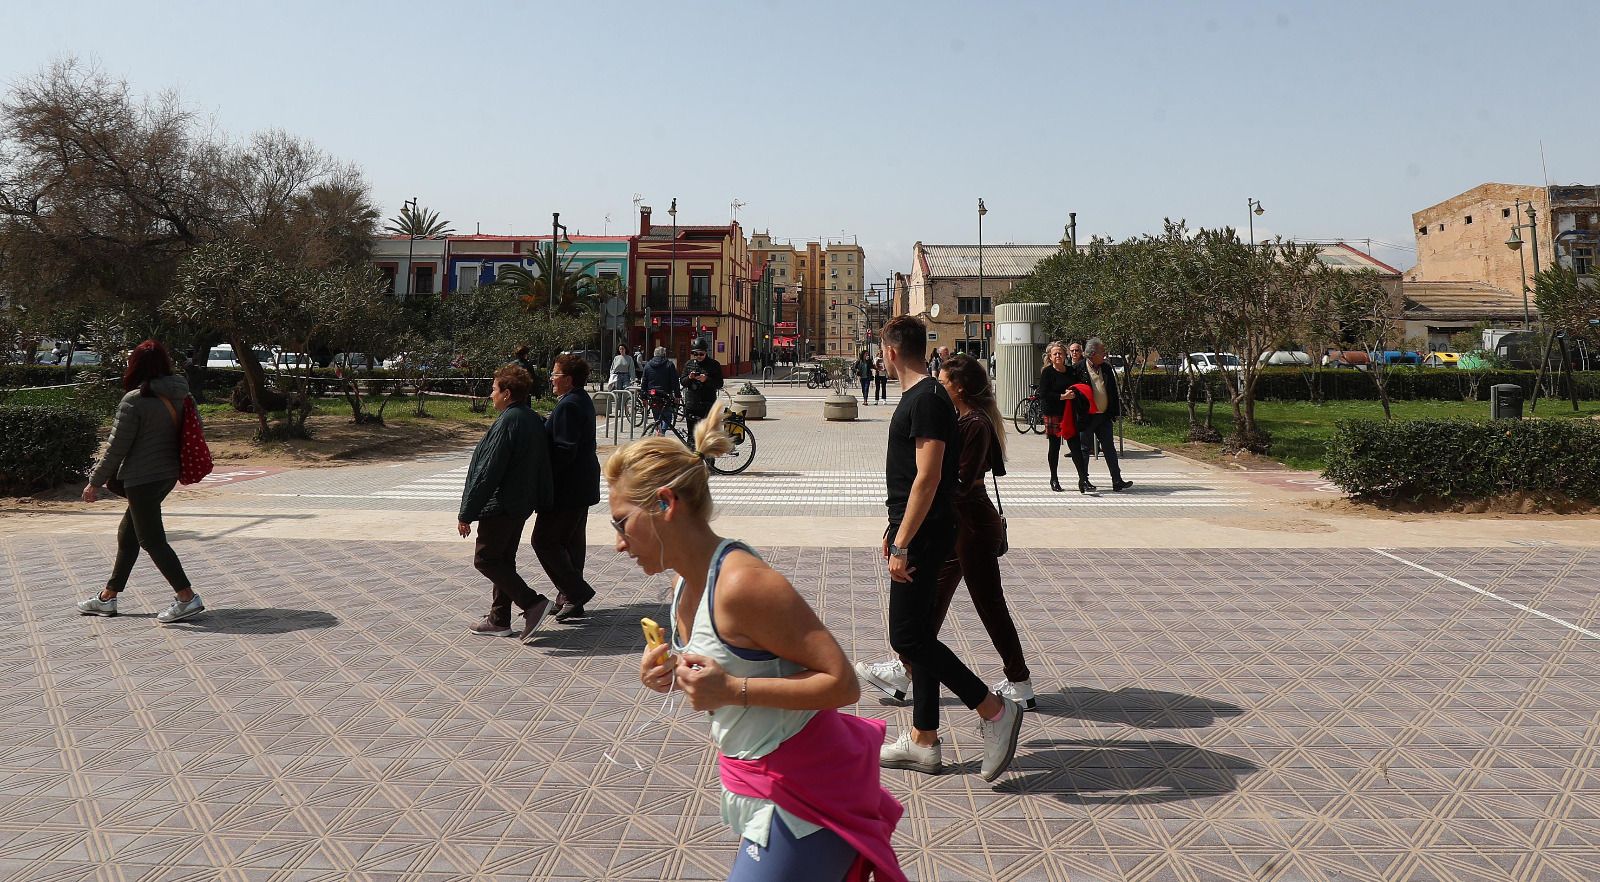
<point x="890" y="676"/>
<point x="181" y="610"/>
<point x="1020" y="692"/>
<point x="903" y="753"/>
<point x="94" y="606"/>
<point x="1000" y="739"/>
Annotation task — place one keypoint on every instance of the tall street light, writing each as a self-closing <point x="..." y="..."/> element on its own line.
<point x="672" y="287"/>
<point x="1253" y="210"/>
<point x="557" y="228"/>
<point x="411" y="244"/>
<point x="1515" y="244"/>
<point x="983" y="308"/>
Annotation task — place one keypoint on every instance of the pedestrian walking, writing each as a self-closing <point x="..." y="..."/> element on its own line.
<point x="1054" y="381"/>
<point x="863" y="371"/>
<point x="702" y="380"/>
<point x="921" y="469"/>
<point x="143" y="459"/>
<point x="800" y="782"/>
<point x="660" y="389"/>
<point x="1102" y="381"/>
<point x="622" y="370"/>
<point x="880" y="377"/>
<point x="638" y="362"/>
<point x="559" y="531"/>
<point x="508" y="480"/>
<point x="1074" y="355"/>
<point x="980" y="537"/>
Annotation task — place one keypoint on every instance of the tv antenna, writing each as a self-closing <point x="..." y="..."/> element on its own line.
<point x="734" y="206"/>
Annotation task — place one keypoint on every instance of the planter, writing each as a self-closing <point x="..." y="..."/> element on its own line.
<point x="839" y="408"/>
<point x="754" y="406"/>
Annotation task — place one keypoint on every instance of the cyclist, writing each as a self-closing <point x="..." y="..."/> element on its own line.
<point x="661" y="389"/>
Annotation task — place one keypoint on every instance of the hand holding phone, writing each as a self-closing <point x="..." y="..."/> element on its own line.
<point x="655" y="635"/>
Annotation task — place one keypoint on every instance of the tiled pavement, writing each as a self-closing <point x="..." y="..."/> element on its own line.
<point x="1205" y="715"/>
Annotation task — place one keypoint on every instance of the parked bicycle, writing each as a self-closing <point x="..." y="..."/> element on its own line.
<point x="667" y="413"/>
<point x="1028" y="417"/>
<point x="818" y="378"/>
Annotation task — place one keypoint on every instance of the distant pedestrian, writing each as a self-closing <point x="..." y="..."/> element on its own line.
<point x="1102" y="380"/>
<point x="660" y="389"/>
<point x="800" y="787"/>
<point x="880" y="377"/>
<point x="935" y="364"/>
<point x="622" y="370"/>
<point x="508" y="480"/>
<point x="922" y="473"/>
<point x="863" y="371"/>
<point x="638" y="362"/>
<point x="702" y="380"/>
<point x="143" y="455"/>
<point x="1054" y="381"/>
<point x="559" y="531"/>
<point x="1074" y="355"/>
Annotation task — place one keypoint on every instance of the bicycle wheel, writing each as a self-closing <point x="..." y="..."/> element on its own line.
<point x="1020" y="417"/>
<point x="743" y="453"/>
<point x="1036" y="417"/>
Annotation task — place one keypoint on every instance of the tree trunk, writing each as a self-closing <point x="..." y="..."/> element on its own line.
<point x="254" y="381"/>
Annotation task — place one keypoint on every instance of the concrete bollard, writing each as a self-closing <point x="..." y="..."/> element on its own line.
<point x="839" y="408"/>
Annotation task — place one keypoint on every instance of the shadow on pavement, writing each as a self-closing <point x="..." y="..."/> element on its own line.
<point x="1098" y="772"/>
<point x="1140" y="708"/>
<point x="604" y="631"/>
<point x="232" y="620"/>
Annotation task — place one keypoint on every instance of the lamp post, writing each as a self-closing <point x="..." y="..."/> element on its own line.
<point x="556" y="228"/>
<point x="411" y="244"/>
<point x="1253" y="210"/>
<point x="1515" y="244"/>
<point x="983" y="309"/>
<point x="672" y="286"/>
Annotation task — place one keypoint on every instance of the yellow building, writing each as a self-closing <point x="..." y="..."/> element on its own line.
<point x="821" y="288"/>
<point x="695" y="282"/>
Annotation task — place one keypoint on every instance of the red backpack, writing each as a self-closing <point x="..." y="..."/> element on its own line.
<point x="194" y="457"/>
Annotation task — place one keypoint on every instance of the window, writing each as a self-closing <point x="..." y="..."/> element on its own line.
<point x="656" y="287"/>
<point x="424" y="280"/>
<point x="467" y="277"/>
<point x="1469" y="218"/>
<point x="972" y="306"/>
<point x="1422" y="231"/>
<point x="700" y="289"/>
<point x="849" y="272"/>
<point x="1441" y="228"/>
<point x="1505" y="212"/>
<point x="833" y="258"/>
<point x="1583" y="260"/>
<point x="388" y="278"/>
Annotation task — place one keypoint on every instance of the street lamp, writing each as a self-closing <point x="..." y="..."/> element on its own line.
<point x="1253" y="210"/>
<point x="672" y="286"/>
<point x="411" y="244"/>
<point x="556" y="228"/>
<point x="1515" y="244"/>
<point x="982" y="307"/>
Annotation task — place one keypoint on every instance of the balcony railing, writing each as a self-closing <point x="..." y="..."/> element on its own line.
<point x="682" y="303"/>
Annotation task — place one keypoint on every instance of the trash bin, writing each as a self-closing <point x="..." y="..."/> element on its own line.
<point x="1505" y="402"/>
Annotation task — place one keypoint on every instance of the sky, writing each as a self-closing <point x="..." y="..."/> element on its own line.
<point x="885" y="121"/>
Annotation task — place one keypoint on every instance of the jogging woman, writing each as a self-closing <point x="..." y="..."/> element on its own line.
<point x="800" y="780"/>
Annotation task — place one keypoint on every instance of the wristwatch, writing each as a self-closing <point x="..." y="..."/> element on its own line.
<point x="897" y="551"/>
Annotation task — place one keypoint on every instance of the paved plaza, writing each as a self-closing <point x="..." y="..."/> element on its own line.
<point x="1378" y="711"/>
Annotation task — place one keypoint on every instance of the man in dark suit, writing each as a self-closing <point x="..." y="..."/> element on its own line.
<point x="1102" y="378"/>
<point x="702" y="380"/>
<point x="559" y="530"/>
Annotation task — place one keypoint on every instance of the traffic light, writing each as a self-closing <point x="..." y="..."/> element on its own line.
<point x="988" y="327"/>
<point x="655" y="320"/>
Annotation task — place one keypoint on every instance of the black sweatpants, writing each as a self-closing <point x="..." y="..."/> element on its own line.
<point x="141" y="527"/>
<point x="558" y="540"/>
<point x="499" y="537"/>
<point x="914" y="629"/>
<point x="978" y="534"/>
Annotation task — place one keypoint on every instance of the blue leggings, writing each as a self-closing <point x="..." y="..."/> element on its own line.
<point x="820" y="857"/>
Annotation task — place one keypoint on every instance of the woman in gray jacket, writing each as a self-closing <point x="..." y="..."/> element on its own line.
<point x="143" y="453"/>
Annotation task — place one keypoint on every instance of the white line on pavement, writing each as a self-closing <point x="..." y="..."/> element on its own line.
<point x="1490" y="594"/>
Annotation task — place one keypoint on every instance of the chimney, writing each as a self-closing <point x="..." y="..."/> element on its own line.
<point x="644" y="220"/>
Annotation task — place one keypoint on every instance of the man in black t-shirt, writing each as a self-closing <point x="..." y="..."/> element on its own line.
<point x="920" y="470"/>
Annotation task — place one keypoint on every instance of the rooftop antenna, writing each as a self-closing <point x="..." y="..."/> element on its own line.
<point x="1542" y="166"/>
<point x="606" y="229"/>
<point x="733" y="208"/>
<point x="637" y="199"/>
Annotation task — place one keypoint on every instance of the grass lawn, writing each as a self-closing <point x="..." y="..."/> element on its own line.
<point x="1301" y="430"/>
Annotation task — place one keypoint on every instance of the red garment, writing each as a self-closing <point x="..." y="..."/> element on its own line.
<point x="1069" y="420"/>
<point x="827" y="774"/>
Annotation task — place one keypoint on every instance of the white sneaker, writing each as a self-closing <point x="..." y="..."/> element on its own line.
<point x="94" y="606"/>
<point x="1000" y="739"/>
<point x="180" y="610"/>
<point x="890" y="676"/>
<point x="903" y="753"/>
<point x="1020" y="692"/>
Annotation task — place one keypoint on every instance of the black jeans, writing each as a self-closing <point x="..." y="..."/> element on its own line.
<point x="141" y="527"/>
<point x="1102" y="430"/>
<point x="883" y="387"/>
<point x="914" y="630"/>
<point x="1080" y="460"/>
<point x="978" y="533"/>
<point x="499" y="537"/>
<point x="558" y="540"/>
<point x="693" y="413"/>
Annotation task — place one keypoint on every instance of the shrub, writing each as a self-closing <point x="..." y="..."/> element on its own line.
<point x="1345" y="384"/>
<point x="41" y="446"/>
<point x="1465" y="459"/>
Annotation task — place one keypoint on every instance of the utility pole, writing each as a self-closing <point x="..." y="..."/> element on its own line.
<point x="411" y="244"/>
<point x="672" y="287"/>
<point x="983" y="307"/>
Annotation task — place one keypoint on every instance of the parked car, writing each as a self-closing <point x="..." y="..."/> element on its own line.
<point x="1206" y="362"/>
<point x="356" y="361"/>
<point x="1350" y="358"/>
<point x="1284" y="358"/>
<point x="1441" y="359"/>
<point x="1399" y="357"/>
<point x="291" y="361"/>
<point x="85" y="358"/>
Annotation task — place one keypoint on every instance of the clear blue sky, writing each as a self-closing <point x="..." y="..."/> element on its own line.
<point x="885" y="120"/>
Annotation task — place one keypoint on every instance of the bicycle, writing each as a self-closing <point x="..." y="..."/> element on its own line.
<point x="669" y="416"/>
<point x="1028" y="416"/>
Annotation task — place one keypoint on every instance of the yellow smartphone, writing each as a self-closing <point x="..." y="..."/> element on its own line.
<point x="654" y="636"/>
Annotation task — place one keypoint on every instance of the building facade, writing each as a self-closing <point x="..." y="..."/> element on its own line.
<point x="473" y="261"/>
<point x="1463" y="239"/>
<point x="411" y="266"/>
<point x="694" y="281"/>
<point x="821" y="293"/>
<point x="947" y="276"/>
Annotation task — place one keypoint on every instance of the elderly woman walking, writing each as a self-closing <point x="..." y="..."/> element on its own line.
<point x="143" y="457"/>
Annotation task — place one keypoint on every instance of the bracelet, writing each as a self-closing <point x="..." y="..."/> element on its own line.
<point x="744" y="691"/>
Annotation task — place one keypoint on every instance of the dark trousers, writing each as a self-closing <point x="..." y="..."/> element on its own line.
<point x="978" y="532"/>
<point x="558" y="540"/>
<point x="499" y="537"/>
<point x="1102" y="430"/>
<point x="1080" y="460"/>
<point x="693" y="413"/>
<point x="141" y="527"/>
<point x="883" y="386"/>
<point x="866" y="389"/>
<point x="914" y="630"/>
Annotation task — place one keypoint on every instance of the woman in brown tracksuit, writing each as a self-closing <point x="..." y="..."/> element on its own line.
<point x="979" y="529"/>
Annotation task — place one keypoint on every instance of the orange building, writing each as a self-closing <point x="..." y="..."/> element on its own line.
<point x="694" y="281"/>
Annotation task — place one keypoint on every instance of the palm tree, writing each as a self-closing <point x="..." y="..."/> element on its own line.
<point x="419" y="223"/>
<point x="575" y="288"/>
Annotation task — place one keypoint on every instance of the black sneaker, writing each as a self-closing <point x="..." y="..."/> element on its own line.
<point x="1120" y="486"/>
<point x="568" y="610"/>
<point x="533" y="615"/>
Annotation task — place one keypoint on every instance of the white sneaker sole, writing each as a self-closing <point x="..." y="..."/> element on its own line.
<point x="882" y="685"/>
<point x="912" y="766"/>
<point x="108" y="613"/>
<point x="1011" y="751"/>
<point x="181" y="617"/>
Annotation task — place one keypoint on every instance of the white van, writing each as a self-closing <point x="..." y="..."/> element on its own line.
<point x="221" y="356"/>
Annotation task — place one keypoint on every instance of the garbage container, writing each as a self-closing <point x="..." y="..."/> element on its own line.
<point x="1505" y="402"/>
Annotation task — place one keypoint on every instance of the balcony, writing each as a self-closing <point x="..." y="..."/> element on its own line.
<point x="694" y="302"/>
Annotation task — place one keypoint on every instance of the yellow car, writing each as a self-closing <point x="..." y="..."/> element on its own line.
<point x="1442" y="359"/>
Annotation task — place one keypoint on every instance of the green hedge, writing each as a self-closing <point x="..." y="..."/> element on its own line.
<point x="41" y="447"/>
<point x="1346" y="384"/>
<point x="1465" y="459"/>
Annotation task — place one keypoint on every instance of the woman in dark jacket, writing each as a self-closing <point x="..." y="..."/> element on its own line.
<point x="863" y="371"/>
<point x="143" y="455"/>
<point x="559" y="531"/>
<point x="1054" y="381"/>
